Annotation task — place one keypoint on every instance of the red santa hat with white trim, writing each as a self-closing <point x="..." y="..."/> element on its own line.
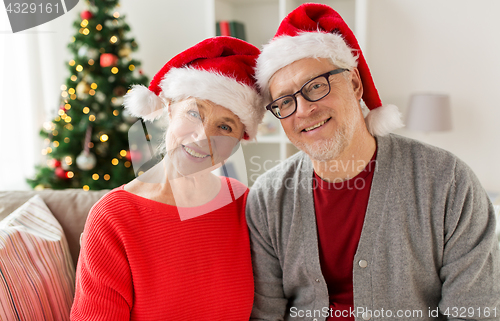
<point x="317" y="31"/>
<point x="219" y="69"/>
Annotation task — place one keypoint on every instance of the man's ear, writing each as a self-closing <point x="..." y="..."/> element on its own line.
<point x="357" y="85"/>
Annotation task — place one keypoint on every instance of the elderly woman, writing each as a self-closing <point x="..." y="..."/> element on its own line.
<point x="173" y="243"/>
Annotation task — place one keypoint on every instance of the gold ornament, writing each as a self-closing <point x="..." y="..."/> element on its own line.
<point x="39" y="187"/>
<point x="86" y="161"/>
<point x="124" y="52"/>
<point x="82" y="88"/>
<point x="123" y="127"/>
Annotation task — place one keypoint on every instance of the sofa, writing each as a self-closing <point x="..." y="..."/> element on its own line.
<point x="70" y="207"/>
<point x="39" y="248"/>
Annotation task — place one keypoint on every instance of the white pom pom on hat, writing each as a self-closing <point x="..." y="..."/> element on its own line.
<point x="219" y="69"/>
<point x="317" y="31"/>
<point x="142" y="102"/>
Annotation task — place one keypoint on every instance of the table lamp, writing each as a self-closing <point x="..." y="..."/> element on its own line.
<point x="429" y="112"/>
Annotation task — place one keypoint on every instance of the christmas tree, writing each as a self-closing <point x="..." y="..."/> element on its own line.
<point x="86" y="145"/>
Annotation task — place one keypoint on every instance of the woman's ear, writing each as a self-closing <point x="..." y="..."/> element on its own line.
<point x="168" y="105"/>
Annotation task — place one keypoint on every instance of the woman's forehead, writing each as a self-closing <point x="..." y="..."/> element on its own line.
<point x="205" y="106"/>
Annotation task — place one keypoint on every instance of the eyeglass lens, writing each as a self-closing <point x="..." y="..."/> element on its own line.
<point x="313" y="90"/>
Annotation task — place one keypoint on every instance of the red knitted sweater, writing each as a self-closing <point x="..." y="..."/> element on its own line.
<point x="139" y="261"/>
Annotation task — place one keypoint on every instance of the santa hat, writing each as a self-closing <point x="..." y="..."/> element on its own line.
<point x="217" y="69"/>
<point x="317" y="31"/>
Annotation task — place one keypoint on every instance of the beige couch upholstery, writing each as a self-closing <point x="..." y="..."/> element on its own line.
<point x="70" y="207"/>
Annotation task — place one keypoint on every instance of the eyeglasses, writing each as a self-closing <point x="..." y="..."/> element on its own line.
<point x="313" y="90"/>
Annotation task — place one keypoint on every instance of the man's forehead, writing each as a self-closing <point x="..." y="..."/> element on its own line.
<point x="297" y="73"/>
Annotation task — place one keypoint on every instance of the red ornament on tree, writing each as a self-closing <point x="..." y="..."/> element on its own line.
<point x="86" y="15"/>
<point x="134" y="155"/>
<point x="108" y="59"/>
<point x="61" y="173"/>
<point x="55" y="163"/>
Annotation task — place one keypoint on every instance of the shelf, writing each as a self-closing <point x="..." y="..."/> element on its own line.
<point x="261" y="19"/>
<point x="246" y="2"/>
<point x="271" y="139"/>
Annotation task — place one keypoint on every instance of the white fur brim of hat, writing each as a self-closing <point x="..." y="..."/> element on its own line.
<point x="284" y="50"/>
<point x="182" y="83"/>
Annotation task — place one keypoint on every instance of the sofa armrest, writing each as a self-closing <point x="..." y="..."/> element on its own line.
<point x="70" y="207"/>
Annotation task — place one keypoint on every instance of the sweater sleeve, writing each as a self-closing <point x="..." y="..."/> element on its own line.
<point x="471" y="264"/>
<point x="269" y="300"/>
<point x="103" y="279"/>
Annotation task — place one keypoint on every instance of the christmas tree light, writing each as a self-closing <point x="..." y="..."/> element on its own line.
<point x="90" y="131"/>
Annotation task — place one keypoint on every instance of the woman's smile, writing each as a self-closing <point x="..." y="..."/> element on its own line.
<point x="194" y="152"/>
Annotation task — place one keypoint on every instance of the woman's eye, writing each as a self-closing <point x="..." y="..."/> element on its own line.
<point x="226" y="127"/>
<point x="194" y="114"/>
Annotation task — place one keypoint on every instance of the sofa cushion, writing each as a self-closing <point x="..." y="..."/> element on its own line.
<point x="37" y="274"/>
<point x="70" y="207"/>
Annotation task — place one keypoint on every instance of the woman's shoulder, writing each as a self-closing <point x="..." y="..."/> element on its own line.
<point x="239" y="189"/>
<point x="117" y="194"/>
<point x="118" y="201"/>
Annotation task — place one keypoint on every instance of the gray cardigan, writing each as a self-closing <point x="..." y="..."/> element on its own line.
<point x="428" y="241"/>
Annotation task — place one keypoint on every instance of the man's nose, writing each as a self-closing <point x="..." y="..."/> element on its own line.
<point x="304" y="107"/>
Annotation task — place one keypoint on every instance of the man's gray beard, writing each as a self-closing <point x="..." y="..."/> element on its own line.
<point x="331" y="148"/>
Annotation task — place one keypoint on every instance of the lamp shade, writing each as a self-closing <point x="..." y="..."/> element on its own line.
<point x="429" y="113"/>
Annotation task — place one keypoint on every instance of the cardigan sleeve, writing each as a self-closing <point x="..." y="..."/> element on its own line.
<point x="269" y="300"/>
<point x="103" y="279"/>
<point x="470" y="270"/>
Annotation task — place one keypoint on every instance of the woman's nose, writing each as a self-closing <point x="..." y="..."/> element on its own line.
<point x="210" y="129"/>
<point x="199" y="132"/>
<point x="204" y="132"/>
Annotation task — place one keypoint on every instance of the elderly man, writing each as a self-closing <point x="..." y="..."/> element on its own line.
<point x="362" y="224"/>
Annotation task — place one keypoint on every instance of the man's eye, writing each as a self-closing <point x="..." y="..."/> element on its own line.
<point x="286" y="103"/>
<point x="316" y="86"/>
<point x="226" y="128"/>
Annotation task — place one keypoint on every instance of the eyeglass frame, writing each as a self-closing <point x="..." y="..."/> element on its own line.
<point x="326" y="75"/>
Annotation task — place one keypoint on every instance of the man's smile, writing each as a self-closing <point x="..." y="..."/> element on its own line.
<point x="321" y="123"/>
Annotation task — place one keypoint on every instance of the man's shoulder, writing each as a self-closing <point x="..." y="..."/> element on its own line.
<point x="408" y="144"/>
<point x="403" y="146"/>
<point x="406" y="152"/>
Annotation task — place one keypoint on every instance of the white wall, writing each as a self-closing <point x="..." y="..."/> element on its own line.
<point x="162" y="29"/>
<point x="31" y="73"/>
<point x="448" y="46"/>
